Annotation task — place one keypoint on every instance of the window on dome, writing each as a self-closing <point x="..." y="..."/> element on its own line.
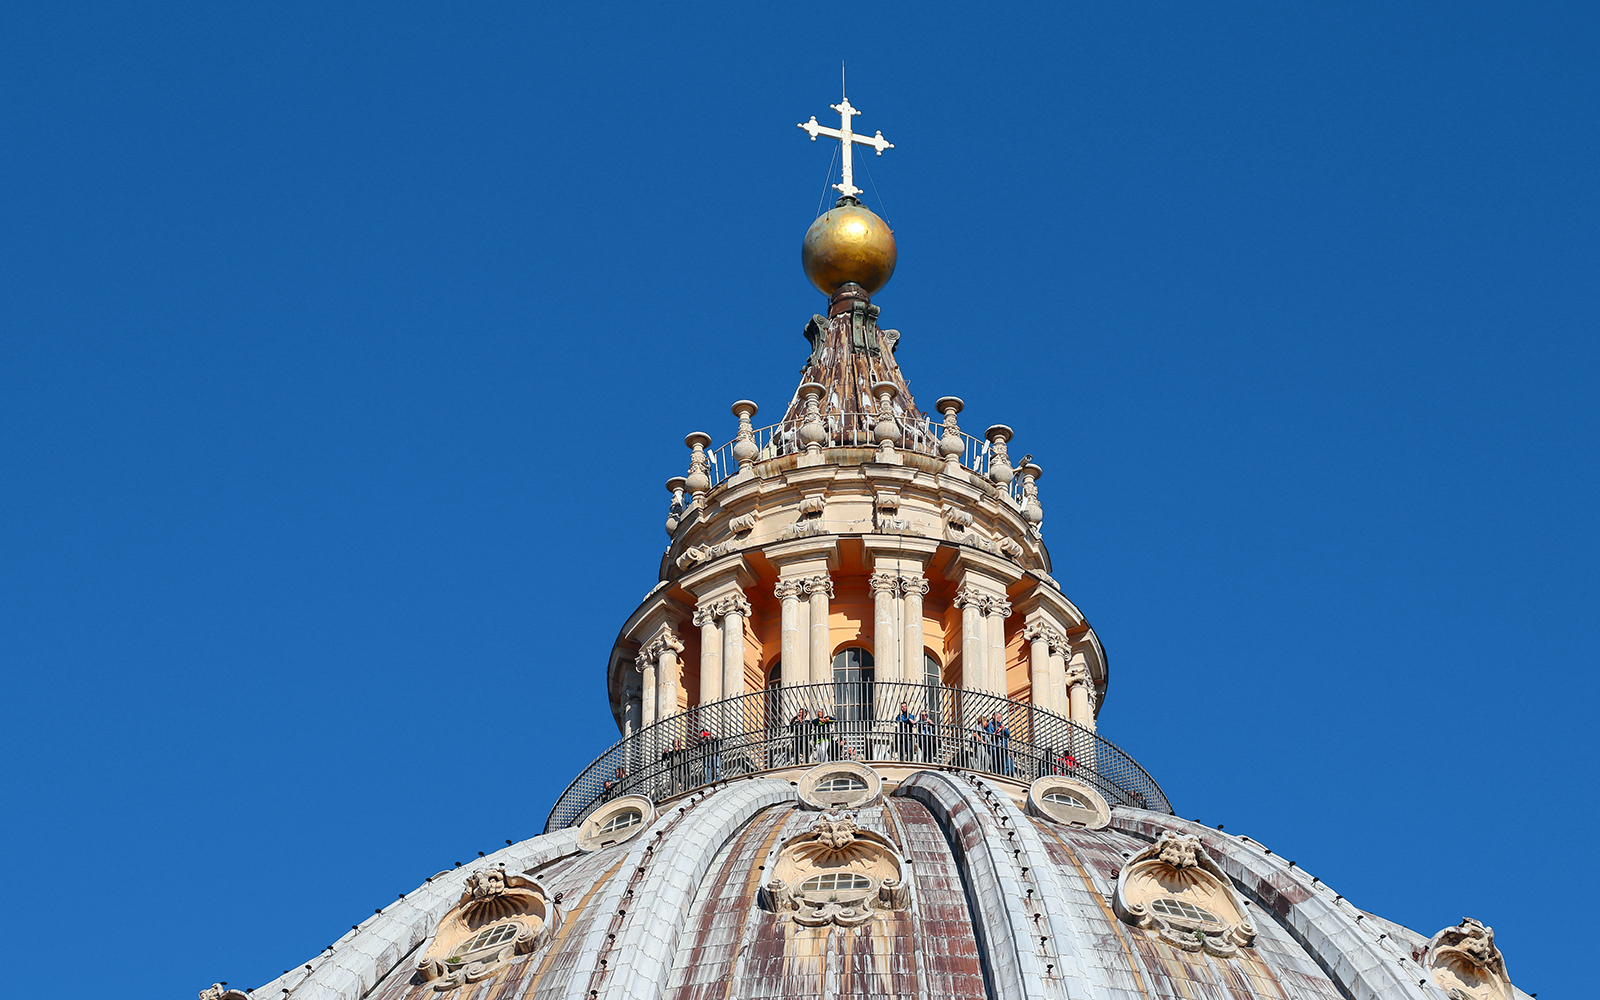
<point x="1179" y="909"/>
<point x="836" y="882"/>
<point x="841" y="783"/>
<point x="489" y="938"/>
<point x="1061" y="798"/>
<point x="622" y="820"/>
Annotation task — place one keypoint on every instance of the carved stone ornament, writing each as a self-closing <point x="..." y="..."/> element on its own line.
<point x="499" y="916"/>
<point x="1465" y="963"/>
<point x="1049" y="633"/>
<point x="220" y="991"/>
<point x="819" y="584"/>
<point x="1174" y="888"/>
<point x="970" y="597"/>
<point x="835" y="873"/>
<point x="812" y="506"/>
<point x="884" y="583"/>
<point x="743" y="523"/>
<point x="663" y="640"/>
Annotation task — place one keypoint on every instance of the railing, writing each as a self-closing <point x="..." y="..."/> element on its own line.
<point x="759" y="732"/>
<point x="921" y="437"/>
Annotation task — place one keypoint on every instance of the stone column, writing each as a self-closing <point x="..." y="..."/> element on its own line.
<point x="996" y="611"/>
<point x="663" y="650"/>
<point x="885" y="588"/>
<point x="1080" y="692"/>
<point x="1059" y="703"/>
<point x="915" y="589"/>
<point x="973" y="640"/>
<point x="734" y="611"/>
<point x="1038" y="636"/>
<point x="647" y="689"/>
<point x="705" y="616"/>
<point x="820" y="589"/>
<point x="795" y="631"/>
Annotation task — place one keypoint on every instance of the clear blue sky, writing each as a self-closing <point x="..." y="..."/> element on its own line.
<point x="346" y="349"/>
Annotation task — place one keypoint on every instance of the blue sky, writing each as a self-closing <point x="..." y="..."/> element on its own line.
<point x="344" y="351"/>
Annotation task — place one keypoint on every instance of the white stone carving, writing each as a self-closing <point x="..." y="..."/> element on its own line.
<point x="835" y="873"/>
<point x="1175" y="889"/>
<point x="1465" y="963"/>
<point x="499" y="916"/>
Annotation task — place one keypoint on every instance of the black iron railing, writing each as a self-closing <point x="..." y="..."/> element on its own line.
<point x="760" y="731"/>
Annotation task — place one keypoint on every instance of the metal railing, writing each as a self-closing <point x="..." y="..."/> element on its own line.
<point x="760" y="732"/>
<point x="921" y="437"/>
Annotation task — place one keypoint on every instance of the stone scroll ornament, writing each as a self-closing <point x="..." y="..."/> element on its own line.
<point x="835" y="873"/>
<point x="1175" y="889"/>
<point x="1465" y="963"/>
<point x="499" y="916"/>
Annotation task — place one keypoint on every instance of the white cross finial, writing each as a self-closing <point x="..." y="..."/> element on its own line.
<point x="847" y="138"/>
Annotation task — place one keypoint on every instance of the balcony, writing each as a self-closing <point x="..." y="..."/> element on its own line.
<point x="758" y="732"/>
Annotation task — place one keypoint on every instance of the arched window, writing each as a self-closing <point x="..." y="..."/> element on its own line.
<point x="932" y="681"/>
<point x="488" y="939"/>
<point x="622" y="820"/>
<point x="836" y="882"/>
<point x="852" y="684"/>
<point x="1061" y="798"/>
<point x="1184" y="910"/>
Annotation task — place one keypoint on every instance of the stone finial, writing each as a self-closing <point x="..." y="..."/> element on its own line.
<point x="1177" y="850"/>
<point x="887" y="429"/>
<point x="1000" y="471"/>
<point x="950" y="444"/>
<point x="676" y="486"/>
<point x="699" y="479"/>
<point x="812" y="432"/>
<point x="744" y="446"/>
<point x="487" y="883"/>
<point x="1031" y="511"/>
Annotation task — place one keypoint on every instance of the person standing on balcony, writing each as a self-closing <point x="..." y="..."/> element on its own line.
<point x="904" y="739"/>
<point x="799" y="733"/>
<point x="1000" y="735"/>
<point x="822" y="733"/>
<point x="709" y="750"/>
<point x="928" y="734"/>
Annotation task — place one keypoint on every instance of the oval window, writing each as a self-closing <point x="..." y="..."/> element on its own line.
<point x="841" y="783"/>
<point x="836" y="882"/>
<point x="1061" y="798"/>
<point x="622" y="820"/>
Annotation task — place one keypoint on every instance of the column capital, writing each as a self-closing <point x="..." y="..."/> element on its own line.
<point x="969" y="596"/>
<point x="997" y="606"/>
<point x="665" y="639"/>
<point x="792" y="587"/>
<point x="733" y="604"/>
<point x="819" y="584"/>
<point x="1049" y="633"/>
<point x="884" y="583"/>
<point x="914" y="585"/>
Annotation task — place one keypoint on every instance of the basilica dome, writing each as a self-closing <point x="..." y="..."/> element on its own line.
<point x="858" y="756"/>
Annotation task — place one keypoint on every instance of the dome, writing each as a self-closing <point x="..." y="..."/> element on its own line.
<point x="848" y="243"/>
<point x="948" y="885"/>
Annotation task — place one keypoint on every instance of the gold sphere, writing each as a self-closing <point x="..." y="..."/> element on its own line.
<point x="848" y="243"/>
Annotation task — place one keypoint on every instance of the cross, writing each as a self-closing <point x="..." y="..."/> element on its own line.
<point x="848" y="139"/>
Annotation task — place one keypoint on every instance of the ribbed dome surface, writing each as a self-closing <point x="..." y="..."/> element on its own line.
<point x="1001" y="904"/>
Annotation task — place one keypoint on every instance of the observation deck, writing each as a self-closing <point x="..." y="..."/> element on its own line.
<point x="759" y="732"/>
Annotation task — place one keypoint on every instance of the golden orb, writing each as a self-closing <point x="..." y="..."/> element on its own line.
<point x="848" y="243"/>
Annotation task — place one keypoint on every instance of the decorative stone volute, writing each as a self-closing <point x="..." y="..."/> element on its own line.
<point x="744" y="446"/>
<point x="1175" y="889"/>
<point x="1465" y="963"/>
<point x="699" y="479"/>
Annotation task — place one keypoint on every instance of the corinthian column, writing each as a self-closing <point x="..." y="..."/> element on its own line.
<point x="819" y="589"/>
<point x="973" y="641"/>
<point x="734" y="611"/>
<point x="1080" y="692"/>
<point x="996" y="611"/>
<point x="1037" y="635"/>
<point x="794" y="635"/>
<point x="705" y="616"/>
<point x="885" y="587"/>
<point x="646" y="666"/>
<point x="662" y="651"/>
<point x="915" y="588"/>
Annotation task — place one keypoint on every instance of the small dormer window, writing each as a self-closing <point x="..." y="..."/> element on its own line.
<point x="1184" y="911"/>
<point x="841" y="783"/>
<point x="1061" y="798"/>
<point x="622" y="821"/>
<point x="488" y="939"/>
<point x="836" y="882"/>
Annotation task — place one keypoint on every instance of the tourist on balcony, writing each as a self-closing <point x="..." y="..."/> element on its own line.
<point x="905" y="736"/>
<point x="1000" y="737"/>
<point x="708" y="749"/>
<point x="822" y="733"/>
<point x="613" y="784"/>
<point x="799" y="737"/>
<point x="928" y="735"/>
<point x="677" y="760"/>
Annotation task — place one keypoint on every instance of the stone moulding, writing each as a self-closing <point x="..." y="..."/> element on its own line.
<point x="1095" y="816"/>
<point x="1465" y="963"/>
<point x="815" y="796"/>
<point x="1174" y="888"/>
<point x="834" y="873"/>
<point x="492" y="898"/>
